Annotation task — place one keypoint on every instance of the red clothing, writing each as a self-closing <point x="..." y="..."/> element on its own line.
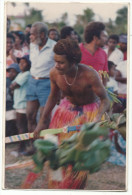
<point x="125" y="55"/>
<point x="98" y="61"/>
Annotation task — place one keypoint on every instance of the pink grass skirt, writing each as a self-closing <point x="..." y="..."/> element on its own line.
<point x="71" y="115"/>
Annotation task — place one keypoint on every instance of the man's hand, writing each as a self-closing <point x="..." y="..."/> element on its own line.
<point x="36" y="134"/>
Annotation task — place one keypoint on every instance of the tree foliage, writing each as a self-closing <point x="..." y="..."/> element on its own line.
<point x="35" y="15"/>
<point x="83" y="20"/>
<point x="117" y="26"/>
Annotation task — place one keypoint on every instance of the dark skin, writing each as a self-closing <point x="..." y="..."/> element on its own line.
<point x="10" y="49"/>
<point x="84" y="90"/>
<point x="119" y="77"/>
<point x="112" y="45"/>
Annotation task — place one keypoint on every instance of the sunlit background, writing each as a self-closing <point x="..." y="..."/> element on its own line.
<point x="77" y="15"/>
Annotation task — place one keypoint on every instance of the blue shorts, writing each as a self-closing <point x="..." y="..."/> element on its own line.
<point x="38" y="90"/>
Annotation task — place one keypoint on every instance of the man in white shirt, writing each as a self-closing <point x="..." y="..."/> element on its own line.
<point x="113" y="53"/>
<point x="42" y="60"/>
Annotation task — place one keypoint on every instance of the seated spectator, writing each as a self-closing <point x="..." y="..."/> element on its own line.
<point x="123" y="45"/>
<point x="67" y="32"/>
<point x="19" y="86"/>
<point x="53" y="34"/>
<point x="121" y="77"/>
<point x="11" y="128"/>
<point x="112" y="83"/>
<point x="113" y="53"/>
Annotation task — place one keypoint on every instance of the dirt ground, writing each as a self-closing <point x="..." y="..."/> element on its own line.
<point x="109" y="177"/>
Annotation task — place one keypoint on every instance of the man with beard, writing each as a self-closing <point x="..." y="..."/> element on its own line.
<point x="92" y="53"/>
<point x="42" y="60"/>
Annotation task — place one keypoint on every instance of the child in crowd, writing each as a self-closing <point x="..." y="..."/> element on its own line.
<point x="112" y="83"/>
<point x="121" y="78"/>
<point x="11" y="129"/>
<point x="19" y="86"/>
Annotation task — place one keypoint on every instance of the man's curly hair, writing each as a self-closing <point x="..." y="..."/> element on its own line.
<point x="93" y="29"/>
<point x="69" y="48"/>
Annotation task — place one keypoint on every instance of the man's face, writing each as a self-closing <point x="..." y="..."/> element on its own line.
<point x="27" y="30"/>
<point x="18" y="41"/>
<point x="53" y="35"/>
<point x="9" y="44"/>
<point x="73" y="35"/>
<point x="102" y="40"/>
<point x="12" y="73"/>
<point x="112" y="44"/>
<point x="123" y="46"/>
<point x="62" y="64"/>
<point x="23" y="65"/>
<point x="35" y="36"/>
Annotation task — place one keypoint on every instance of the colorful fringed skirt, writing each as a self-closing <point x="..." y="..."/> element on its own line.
<point x="71" y="115"/>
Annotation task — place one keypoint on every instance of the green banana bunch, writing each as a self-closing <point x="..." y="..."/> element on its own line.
<point x="83" y="150"/>
<point x="117" y="121"/>
<point x="112" y="97"/>
<point x="89" y="132"/>
<point x="93" y="158"/>
<point x="45" y="151"/>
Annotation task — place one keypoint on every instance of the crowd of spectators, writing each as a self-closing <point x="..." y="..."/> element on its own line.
<point x="30" y="57"/>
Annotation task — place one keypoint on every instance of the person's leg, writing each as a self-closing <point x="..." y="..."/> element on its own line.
<point x="32" y="109"/>
<point x="11" y="128"/>
<point x="22" y="128"/>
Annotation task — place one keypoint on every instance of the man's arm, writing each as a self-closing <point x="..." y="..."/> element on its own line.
<point x="100" y="91"/>
<point x="51" y="102"/>
<point x="14" y="86"/>
<point x="119" y="77"/>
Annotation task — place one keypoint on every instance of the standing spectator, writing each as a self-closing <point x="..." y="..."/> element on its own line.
<point x="8" y="24"/>
<point x="92" y="53"/>
<point x="67" y="32"/>
<point x="11" y="129"/>
<point x="10" y="58"/>
<point x="27" y="36"/>
<point x="19" y="86"/>
<point x="123" y="45"/>
<point x="113" y="53"/>
<point x="42" y="59"/>
<point x="27" y="29"/>
<point x="53" y="34"/>
<point x="19" y="49"/>
<point x="78" y="38"/>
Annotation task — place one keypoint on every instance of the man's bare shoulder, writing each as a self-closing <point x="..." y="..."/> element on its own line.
<point x="53" y="74"/>
<point x="88" y="69"/>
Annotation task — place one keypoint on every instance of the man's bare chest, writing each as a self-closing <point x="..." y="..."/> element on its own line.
<point x="78" y="88"/>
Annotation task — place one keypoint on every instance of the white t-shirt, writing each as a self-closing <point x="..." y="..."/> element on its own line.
<point x="122" y="67"/>
<point x="116" y="56"/>
<point x="112" y="84"/>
